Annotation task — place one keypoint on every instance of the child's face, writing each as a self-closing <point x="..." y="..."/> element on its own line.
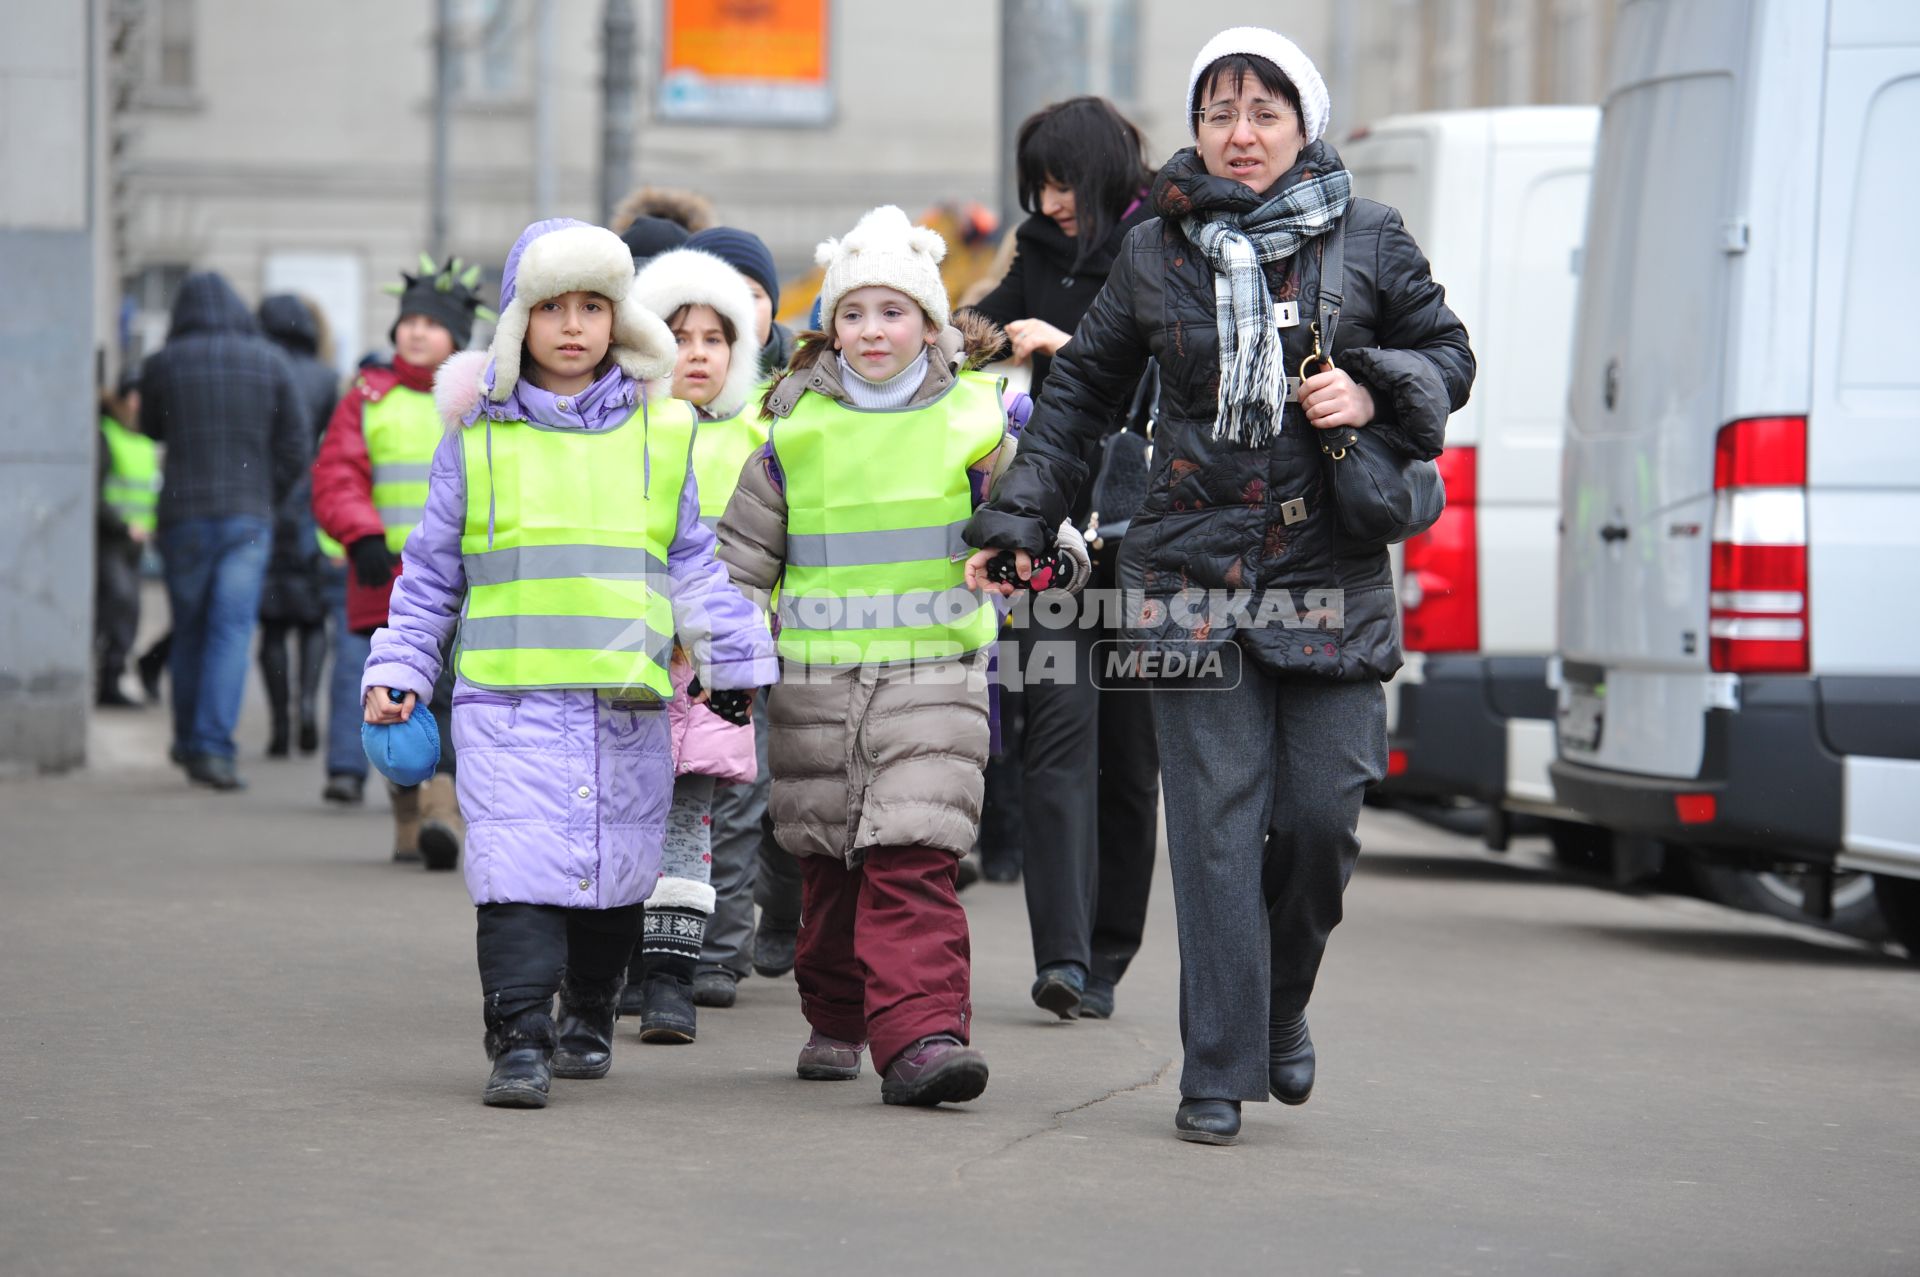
<point x="762" y="310"/>
<point x="880" y="331"/>
<point x="568" y="336"/>
<point x="422" y="342"/>
<point x="704" y="356"/>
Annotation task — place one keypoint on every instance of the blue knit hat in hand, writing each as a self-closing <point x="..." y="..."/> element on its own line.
<point x="405" y="753"/>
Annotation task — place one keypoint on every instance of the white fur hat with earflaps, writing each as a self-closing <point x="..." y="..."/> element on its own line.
<point x="691" y="277"/>
<point x="885" y="249"/>
<point x="562" y="255"/>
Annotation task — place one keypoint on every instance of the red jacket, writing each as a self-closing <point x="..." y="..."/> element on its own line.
<point x="343" y="483"/>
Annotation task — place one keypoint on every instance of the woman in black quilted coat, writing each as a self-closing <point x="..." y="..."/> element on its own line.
<point x="1236" y="572"/>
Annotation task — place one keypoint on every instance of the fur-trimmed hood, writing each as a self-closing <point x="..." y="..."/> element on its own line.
<point x="693" y="277"/>
<point x="970" y="341"/>
<point x="561" y="255"/>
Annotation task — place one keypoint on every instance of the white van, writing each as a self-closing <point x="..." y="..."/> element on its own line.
<point x="1497" y="199"/>
<point x="1739" y="643"/>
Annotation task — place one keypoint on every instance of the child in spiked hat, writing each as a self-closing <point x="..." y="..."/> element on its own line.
<point x="561" y="538"/>
<point x="881" y="441"/>
<point x="369" y="486"/>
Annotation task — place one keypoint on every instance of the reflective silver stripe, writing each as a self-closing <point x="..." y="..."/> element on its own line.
<point x="402" y="472"/>
<point x="554" y="562"/>
<point x="906" y="545"/>
<point x="401" y="516"/>
<point x="578" y="633"/>
<point x="913" y="610"/>
<point x="711" y="520"/>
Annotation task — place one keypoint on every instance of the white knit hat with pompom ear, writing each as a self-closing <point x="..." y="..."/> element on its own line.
<point x="887" y="250"/>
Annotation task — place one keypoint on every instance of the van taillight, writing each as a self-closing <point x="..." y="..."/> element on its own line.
<point x="1757" y="606"/>
<point x="1440" y="581"/>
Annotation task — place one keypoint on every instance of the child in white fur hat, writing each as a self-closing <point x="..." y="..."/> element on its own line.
<point x="881" y="443"/>
<point x="709" y="310"/>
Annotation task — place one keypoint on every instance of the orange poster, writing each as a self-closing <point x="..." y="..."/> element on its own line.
<point x="725" y="60"/>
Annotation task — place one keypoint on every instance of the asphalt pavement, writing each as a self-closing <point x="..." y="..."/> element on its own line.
<point x="238" y="1040"/>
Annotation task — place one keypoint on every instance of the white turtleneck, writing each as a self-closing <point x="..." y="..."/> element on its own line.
<point x="894" y="392"/>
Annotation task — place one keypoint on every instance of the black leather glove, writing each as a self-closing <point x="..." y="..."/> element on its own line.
<point x="372" y="561"/>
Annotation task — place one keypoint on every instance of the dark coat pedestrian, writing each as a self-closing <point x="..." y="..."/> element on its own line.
<point x="224" y="401"/>
<point x="1269" y="746"/>
<point x="1087" y="765"/>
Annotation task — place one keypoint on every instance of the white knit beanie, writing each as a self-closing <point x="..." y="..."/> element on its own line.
<point x="887" y="250"/>
<point x="1315" y="106"/>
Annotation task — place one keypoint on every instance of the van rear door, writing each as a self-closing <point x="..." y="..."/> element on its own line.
<point x="1647" y="391"/>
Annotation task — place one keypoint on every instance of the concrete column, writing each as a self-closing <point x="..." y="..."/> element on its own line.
<point x="49" y="64"/>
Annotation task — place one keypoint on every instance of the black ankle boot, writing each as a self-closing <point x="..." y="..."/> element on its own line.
<point x="1207" y="1121"/>
<point x="667" y="1013"/>
<point x="585" y="1029"/>
<point x="522" y="1053"/>
<point x="1289" y="1059"/>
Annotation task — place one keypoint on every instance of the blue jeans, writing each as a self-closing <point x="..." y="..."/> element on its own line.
<point x="345" y="757"/>
<point x="215" y="568"/>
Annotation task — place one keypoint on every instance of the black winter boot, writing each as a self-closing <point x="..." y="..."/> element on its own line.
<point x="1289" y="1059"/>
<point x="585" y="1029"/>
<point x="522" y="1053"/>
<point x="667" y="1014"/>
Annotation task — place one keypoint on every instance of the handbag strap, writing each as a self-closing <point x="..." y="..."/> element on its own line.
<point x="1333" y="281"/>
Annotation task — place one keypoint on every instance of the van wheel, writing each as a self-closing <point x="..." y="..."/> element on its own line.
<point x="1900" y="906"/>
<point x="1783" y="896"/>
<point x="1582" y="849"/>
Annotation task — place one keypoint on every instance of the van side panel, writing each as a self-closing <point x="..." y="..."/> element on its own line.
<point x="1863" y="439"/>
<point x="1537" y="207"/>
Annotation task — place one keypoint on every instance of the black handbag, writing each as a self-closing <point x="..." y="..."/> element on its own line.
<point x="1126" y="464"/>
<point x="1380" y="494"/>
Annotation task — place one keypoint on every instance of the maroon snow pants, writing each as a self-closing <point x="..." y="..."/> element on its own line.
<point x="883" y="956"/>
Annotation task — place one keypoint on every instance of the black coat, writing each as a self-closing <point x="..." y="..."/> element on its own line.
<point x="224" y="401"/>
<point x="1213" y="518"/>
<point x="1044" y="281"/>
<point x="294" y="592"/>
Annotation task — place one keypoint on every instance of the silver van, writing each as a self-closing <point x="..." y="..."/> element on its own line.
<point x="1497" y="199"/>
<point x="1739" y="606"/>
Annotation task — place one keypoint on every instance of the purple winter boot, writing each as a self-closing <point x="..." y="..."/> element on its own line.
<point x="825" y="1059"/>
<point x="935" y="1070"/>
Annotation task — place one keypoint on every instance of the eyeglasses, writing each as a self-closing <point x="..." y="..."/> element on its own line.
<point x="1224" y="119"/>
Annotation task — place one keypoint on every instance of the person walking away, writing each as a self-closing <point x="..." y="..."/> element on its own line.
<point x="129" y="473"/>
<point x="1088" y="769"/>
<point x="561" y="534"/>
<point x="710" y="314"/>
<point x="224" y="402"/>
<point x="1266" y="757"/>
<point x="879" y="443"/>
<point x="293" y="601"/>
<point x="369" y="489"/>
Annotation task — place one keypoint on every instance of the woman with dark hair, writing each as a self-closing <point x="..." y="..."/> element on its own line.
<point x="1089" y="771"/>
<point x="1269" y="746"/>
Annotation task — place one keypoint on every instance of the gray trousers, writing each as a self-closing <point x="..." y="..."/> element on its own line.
<point x="1262" y="783"/>
<point x="743" y="853"/>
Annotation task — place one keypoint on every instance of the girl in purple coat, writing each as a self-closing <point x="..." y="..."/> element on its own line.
<point x="562" y="542"/>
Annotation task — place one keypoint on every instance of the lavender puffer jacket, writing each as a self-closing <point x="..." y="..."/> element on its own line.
<point x="565" y="792"/>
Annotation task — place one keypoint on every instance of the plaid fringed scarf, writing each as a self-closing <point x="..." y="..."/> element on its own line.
<point x="1238" y="236"/>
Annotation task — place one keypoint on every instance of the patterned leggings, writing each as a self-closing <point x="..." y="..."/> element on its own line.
<point x="677" y="911"/>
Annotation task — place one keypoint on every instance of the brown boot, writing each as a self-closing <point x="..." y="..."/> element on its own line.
<point x="406" y="823"/>
<point x="442" y="831"/>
